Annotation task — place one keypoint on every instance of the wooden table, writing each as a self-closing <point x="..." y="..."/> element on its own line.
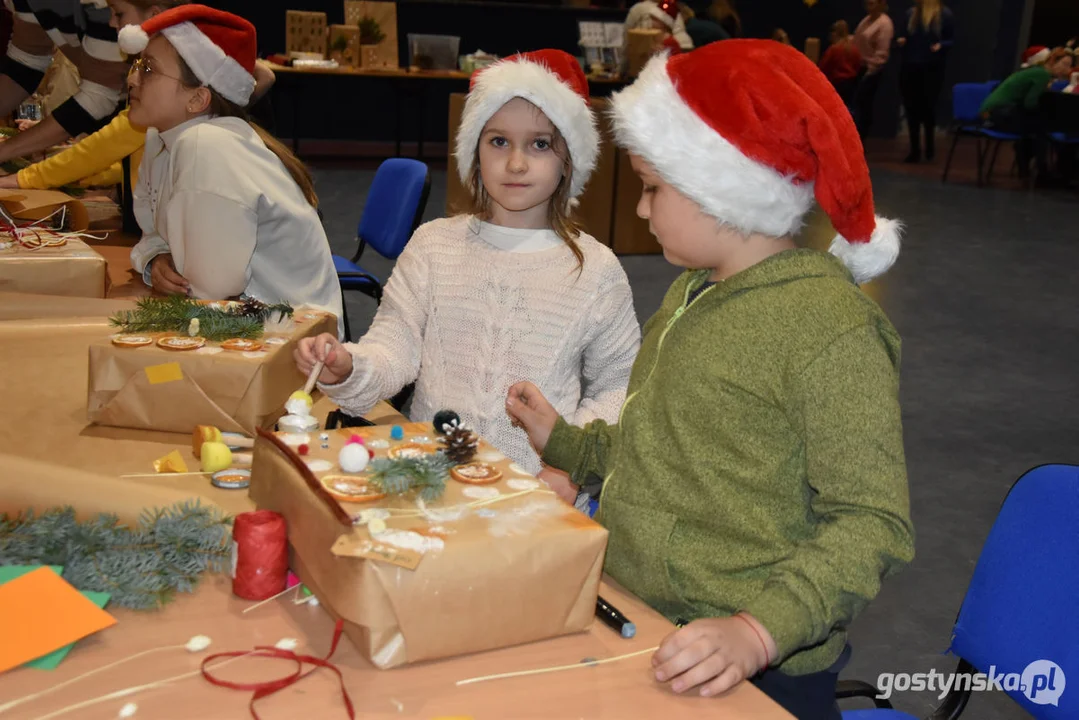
<point x="620" y="691"/>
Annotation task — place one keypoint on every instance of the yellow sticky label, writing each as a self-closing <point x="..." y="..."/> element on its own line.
<point x="164" y="373"/>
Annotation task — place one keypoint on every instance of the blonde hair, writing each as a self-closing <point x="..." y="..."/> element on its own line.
<point x="929" y="11"/>
<point x="221" y="107"/>
<point x="559" y="213"/>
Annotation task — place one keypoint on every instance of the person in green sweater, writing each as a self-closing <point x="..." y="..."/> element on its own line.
<point x="755" y="484"/>
<point x="1015" y="107"/>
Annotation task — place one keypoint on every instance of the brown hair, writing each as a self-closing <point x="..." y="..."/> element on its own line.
<point x="221" y="107"/>
<point x="720" y="10"/>
<point x="559" y="217"/>
<point x="163" y="4"/>
<point x="1057" y="55"/>
<point x="841" y="30"/>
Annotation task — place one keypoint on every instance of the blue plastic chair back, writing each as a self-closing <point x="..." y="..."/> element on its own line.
<point x="967" y="99"/>
<point x="1058" y="85"/>
<point x="1018" y="617"/>
<point x="389" y="214"/>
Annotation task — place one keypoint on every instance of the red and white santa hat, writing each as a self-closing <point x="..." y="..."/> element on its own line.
<point x="666" y="11"/>
<point x="219" y="47"/>
<point x="752" y="131"/>
<point x="553" y="81"/>
<point x="1035" y="55"/>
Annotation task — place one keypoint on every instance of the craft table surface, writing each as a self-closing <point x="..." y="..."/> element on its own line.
<point x="623" y="690"/>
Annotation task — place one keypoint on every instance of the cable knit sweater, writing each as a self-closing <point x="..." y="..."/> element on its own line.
<point x="472" y="308"/>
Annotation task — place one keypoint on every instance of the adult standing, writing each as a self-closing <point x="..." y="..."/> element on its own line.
<point x="925" y="39"/>
<point x="873" y="38"/>
<point x="80" y="29"/>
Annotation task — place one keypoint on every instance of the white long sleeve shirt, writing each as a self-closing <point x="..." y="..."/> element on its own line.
<point x="472" y="308"/>
<point x="211" y="193"/>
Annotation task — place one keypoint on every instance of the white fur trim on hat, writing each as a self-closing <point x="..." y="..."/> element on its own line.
<point x="133" y="39"/>
<point x="868" y="260"/>
<point x="652" y="121"/>
<point x="567" y="111"/>
<point x="210" y="64"/>
<point x="655" y="11"/>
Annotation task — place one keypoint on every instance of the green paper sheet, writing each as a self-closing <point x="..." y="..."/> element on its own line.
<point x="53" y="659"/>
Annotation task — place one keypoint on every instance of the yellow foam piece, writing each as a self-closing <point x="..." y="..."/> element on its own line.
<point x="215" y="456"/>
<point x="171" y="463"/>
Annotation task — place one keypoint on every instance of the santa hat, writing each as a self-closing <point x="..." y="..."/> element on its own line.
<point x="665" y="11"/>
<point x="752" y="131"/>
<point x="1035" y="55"/>
<point x="219" y="47"/>
<point x="553" y="81"/>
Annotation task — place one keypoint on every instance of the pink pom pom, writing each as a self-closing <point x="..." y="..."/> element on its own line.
<point x="355" y="439"/>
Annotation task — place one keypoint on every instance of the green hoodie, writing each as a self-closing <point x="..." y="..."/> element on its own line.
<point x="758" y="460"/>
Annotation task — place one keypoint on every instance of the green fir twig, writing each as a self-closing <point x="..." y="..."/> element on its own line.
<point x="426" y="475"/>
<point x="175" y="313"/>
<point x="142" y="567"/>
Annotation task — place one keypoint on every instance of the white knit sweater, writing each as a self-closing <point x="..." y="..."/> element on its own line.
<point x="472" y="308"/>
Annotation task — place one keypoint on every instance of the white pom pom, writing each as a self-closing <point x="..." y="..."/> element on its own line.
<point x="128" y="710"/>
<point x="197" y="643"/>
<point x="133" y="39"/>
<point x="313" y="600"/>
<point x="353" y="458"/>
<point x="287" y="644"/>
<point x="870" y="259"/>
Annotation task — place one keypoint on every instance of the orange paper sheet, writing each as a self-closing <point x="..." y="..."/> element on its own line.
<point x="40" y="612"/>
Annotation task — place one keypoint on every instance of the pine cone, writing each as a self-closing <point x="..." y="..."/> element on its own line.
<point x="460" y="444"/>
<point x="251" y="306"/>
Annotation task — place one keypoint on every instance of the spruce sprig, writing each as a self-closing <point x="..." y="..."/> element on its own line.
<point x="175" y="313"/>
<point x="141" y="567"/>
<point x="398" y="476"/>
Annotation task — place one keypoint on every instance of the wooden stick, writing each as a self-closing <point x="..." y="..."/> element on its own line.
<point x="574" y="666"/>
<point x="164" y="475"/>
<point x="271" y="599"/>
<point x="312" y="378"/>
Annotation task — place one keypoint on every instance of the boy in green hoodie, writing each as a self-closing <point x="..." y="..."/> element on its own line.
<point x="755" y="485"/>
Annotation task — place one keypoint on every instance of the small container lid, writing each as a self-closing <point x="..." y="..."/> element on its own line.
<point x="231" y="479"/>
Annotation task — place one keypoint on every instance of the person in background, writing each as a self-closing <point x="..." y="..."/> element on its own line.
<point x="648" y="14"/>
<point x="873" y="38"/>
<point x="925" y="39"/>
<point x="1034" y="55"/>
<point x="842" y="63"/>
<point x="80" y="29"/>
<point x="724" y="13"/>
<point x="664" y="16"/>
<point x="701" y="26"/>
<point x="1015" y="107"/>
<point x="780" y="36"/>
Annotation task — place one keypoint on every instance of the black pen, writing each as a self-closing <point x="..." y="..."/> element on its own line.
<point x="613" y="617"/>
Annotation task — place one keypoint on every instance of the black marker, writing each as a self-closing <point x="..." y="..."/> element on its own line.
<point x="611" y="616"/>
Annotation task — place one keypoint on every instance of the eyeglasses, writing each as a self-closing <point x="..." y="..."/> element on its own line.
<point x="145" y="70"/>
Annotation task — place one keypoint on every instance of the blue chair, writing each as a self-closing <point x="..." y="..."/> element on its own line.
<point x="967" y="99"/>
<point x="1018" y="616"/>
<point x="392" y="212"/>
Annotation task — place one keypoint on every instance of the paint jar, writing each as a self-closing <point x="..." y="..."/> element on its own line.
<point x="298" y="424"/>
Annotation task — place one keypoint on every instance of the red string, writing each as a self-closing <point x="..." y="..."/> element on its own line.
<point x="265" y="689"/>
<point x="261" y="554"/>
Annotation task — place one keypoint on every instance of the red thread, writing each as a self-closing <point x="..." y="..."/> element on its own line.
<point x="767" y="655"/>
<point x="261" y="554"/>
<point x="265" y="689"/>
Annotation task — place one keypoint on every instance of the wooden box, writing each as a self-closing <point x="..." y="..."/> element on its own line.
<point x="385" y="14"/>
<point x="305" y="32"/>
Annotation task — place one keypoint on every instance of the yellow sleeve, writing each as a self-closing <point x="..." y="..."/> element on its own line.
<point x="91" y="157"/>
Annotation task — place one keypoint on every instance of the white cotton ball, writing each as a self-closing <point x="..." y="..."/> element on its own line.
<point x="287" y="644"/>
<point x="128" y="710"/>
<point x="313" y="600"/>
<point x="353" y="458"/>
<point x="197" y="643"/>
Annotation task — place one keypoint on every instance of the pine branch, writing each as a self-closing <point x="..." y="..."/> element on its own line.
<point x="175" y="313"/>
<point x="141" y="567"/>
<point x="398" y="476"/>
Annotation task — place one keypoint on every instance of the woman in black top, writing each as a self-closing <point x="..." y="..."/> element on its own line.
<point x="925" y="39"/>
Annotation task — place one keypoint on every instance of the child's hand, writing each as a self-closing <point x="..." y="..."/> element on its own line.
<point x="530" y="410"/>
<point x="338" y="360"/>
<point x="9" y="182"/>
<point x="165" y="279"/>
<point x="560" y="483"/>
<point x="717" y="653"/>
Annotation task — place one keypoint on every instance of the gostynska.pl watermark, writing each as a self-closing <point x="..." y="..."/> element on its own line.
<point x="1041" y="682"/>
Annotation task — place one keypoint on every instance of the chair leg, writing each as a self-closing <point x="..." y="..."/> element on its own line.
<point x="982" y="148"/>
<point x="344" y="316"/>
<point x="951" y="154"/>
<point x="993" y="161"/>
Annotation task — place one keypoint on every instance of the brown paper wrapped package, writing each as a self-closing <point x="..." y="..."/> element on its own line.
<point x="40" y="204"/>
<point x="529" y="572"/>
<point x="72" y="270"/>
<point x="151" y="388"/>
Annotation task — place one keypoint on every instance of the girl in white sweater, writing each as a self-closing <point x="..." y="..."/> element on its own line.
<point x="225" y="209"/>
<point x="514" y="290"/>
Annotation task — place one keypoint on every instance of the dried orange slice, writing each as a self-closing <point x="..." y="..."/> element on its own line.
<point x="242" y="345"/>
<point x="132" y="341"/>
<point x="476" y="473"/>
<point x="412" y="450"/>
<point x="351" y="489"/>
<point x="179" y="342"/>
